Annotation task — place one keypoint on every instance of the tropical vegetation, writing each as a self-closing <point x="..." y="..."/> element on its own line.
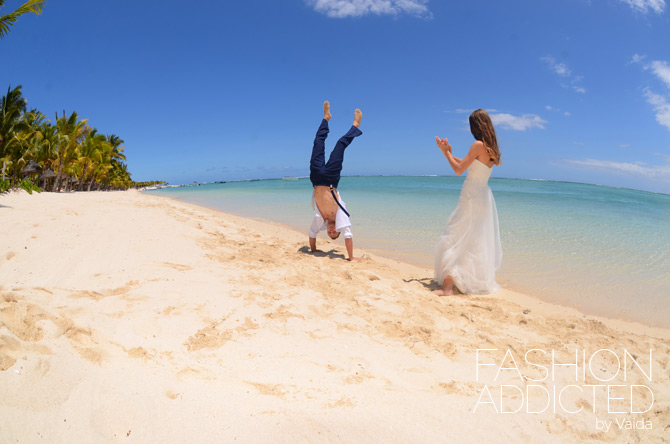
<point x="68" y="154"/>
<point x="7" y="20"/>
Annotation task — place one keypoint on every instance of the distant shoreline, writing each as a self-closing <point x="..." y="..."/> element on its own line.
<point x="493" y="180"/>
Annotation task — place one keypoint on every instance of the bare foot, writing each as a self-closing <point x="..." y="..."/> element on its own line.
<point x="358" y="115"/>
<point x="326" y="110"/>
<point x="447" y="287"/>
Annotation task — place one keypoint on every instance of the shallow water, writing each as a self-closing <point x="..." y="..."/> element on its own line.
<point x="603" y="250"/>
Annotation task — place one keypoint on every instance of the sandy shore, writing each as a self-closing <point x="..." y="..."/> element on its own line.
<point x="134" y="318"/>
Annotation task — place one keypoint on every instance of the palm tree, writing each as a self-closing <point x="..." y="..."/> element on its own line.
<point x="119" y="178"/>
<point x="45" y="145"/>
<point x="116" y="155"/>
<point x="22" y="147"/>
<point x="90" y="155"/>
<point x="71" y="133"/>
<point x="7" y="20"/>
<point x="12" y="107"/>
<point x="70" y="147"/>
<point x="101" y="169"/>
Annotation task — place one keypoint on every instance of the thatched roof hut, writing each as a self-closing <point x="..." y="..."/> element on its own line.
<point x="48" y="174"/>
<point x="31" y="168"/>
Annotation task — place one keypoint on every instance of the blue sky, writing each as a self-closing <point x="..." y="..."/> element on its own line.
<point x="579" y="90"/>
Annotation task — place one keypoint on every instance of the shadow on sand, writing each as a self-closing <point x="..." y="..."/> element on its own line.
<point x="427" y="282"/>
<point x="332" y="254"/>
<point x="430" y="285"/>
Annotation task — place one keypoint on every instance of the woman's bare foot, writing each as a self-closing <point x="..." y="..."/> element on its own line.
<point x="447" y="287"/>
<point x="358" y="115"/>
<point x="326" y="110"/>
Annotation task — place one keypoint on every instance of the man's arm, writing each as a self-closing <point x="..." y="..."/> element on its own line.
<point x="349" y="243"/>
<point x="313" y="231"/>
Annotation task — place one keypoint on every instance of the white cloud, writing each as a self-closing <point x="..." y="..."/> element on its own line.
<point x="660" y="102"/>
<point x="646" y="6"/>
<point x="637" y="58"/>
<point x="562" y="70"/>
<point x="357" y="8"/>
<point x="637" y="169"/>
<point x="558" y="110"/>
<point x="559" y="68"/>
<point x="517" y="123"/>
<point x="661" y="107"/>
<point x="469" y="111"/>
<point x="661" y="70"/>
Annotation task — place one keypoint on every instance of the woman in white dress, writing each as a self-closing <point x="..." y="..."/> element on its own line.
<point x="468" y="254"/>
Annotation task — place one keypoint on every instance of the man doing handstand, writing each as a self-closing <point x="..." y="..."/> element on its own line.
<point x="331" y="212"/>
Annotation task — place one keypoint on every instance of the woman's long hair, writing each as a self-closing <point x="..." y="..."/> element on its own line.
<point x="482" y="129"/>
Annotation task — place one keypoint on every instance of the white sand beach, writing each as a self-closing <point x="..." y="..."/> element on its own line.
<point x="133" y="318"/>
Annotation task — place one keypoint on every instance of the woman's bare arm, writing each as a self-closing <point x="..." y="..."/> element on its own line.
<point x="459" y="165"/>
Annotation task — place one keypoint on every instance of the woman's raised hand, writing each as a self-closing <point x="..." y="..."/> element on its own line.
<point x="443" y="145"/>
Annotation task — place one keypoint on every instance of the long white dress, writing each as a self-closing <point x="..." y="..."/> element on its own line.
<point x="469" y="250"/>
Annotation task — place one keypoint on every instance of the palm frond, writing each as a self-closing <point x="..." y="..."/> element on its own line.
<point x="8" y="20"/>
<point x="34" y="6"/>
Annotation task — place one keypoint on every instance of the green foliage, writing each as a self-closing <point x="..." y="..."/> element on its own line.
<point x="29" y="186"/>
<point x="12" y="107"/>
<point x="79" y="157"/>
<point x="5" y="185"/>
<point x="148" y="183"/>
<point x="7" y="20"/>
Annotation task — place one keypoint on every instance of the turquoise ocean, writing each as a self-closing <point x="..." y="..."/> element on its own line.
<point x="602" y="250"/>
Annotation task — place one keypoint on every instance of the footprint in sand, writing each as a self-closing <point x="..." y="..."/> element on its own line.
<point x="8" y="347"/>
<point x="97" y="296"/>
<point x="269" y="389"/>
<point x="83" y="341"/>
<point x="459" y="388"/>
<point x="358" y="377"/>
<point x="208" y="337"/>
<point x="249" y="324"/>
<point x="21" y="319"/>
<point x="189" y="374"/>
<point x="168" y="310"/>
<point x="179" y="267"/>
<point x="557" y="425"/>
<point x="139" y="352"/>
<point x="342" y="402"/>
<point x="90" y="354"/>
